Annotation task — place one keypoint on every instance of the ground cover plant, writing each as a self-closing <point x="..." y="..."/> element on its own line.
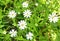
<point x="29" y="20"/>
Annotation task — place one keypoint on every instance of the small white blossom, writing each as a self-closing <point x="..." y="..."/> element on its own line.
<point x="27" y="13"/>
<point x="4" y="32"/>
<point x="13" y="33"/>
<point x="36" y="4"/>
<point x="12" y="14"/>
<point x="25" y="4"/>
<point x="53" y="17"/>
<point x="29" y="36"/>
<point x="22" y="24"/>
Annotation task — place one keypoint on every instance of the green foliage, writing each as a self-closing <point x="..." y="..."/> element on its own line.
<point x="38" y="23"/>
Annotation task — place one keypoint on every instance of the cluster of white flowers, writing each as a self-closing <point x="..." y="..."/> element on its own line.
<point x="22" y="24"/>
<point x="13" y="33"/>
<point x="53" y="17"/>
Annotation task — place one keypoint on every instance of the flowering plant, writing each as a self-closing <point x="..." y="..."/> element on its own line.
<point x="29" y="20"/>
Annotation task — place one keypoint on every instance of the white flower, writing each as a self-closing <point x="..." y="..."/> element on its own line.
<point x="4" y="32"/>
<point x="29" y="36"/>
<point x="13" y="33"/>
<point x="25" y="4"/>
<point x="53" y="17"/>
<point x="27" y="13"/>
<point x="22" y="24"/>
<point x="36" y="4"/>
<point x="12" y="14"/>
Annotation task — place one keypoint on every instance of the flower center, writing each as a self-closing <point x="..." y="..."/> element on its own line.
<point x="22" y="24"/>
<point x="12" y="14"/>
